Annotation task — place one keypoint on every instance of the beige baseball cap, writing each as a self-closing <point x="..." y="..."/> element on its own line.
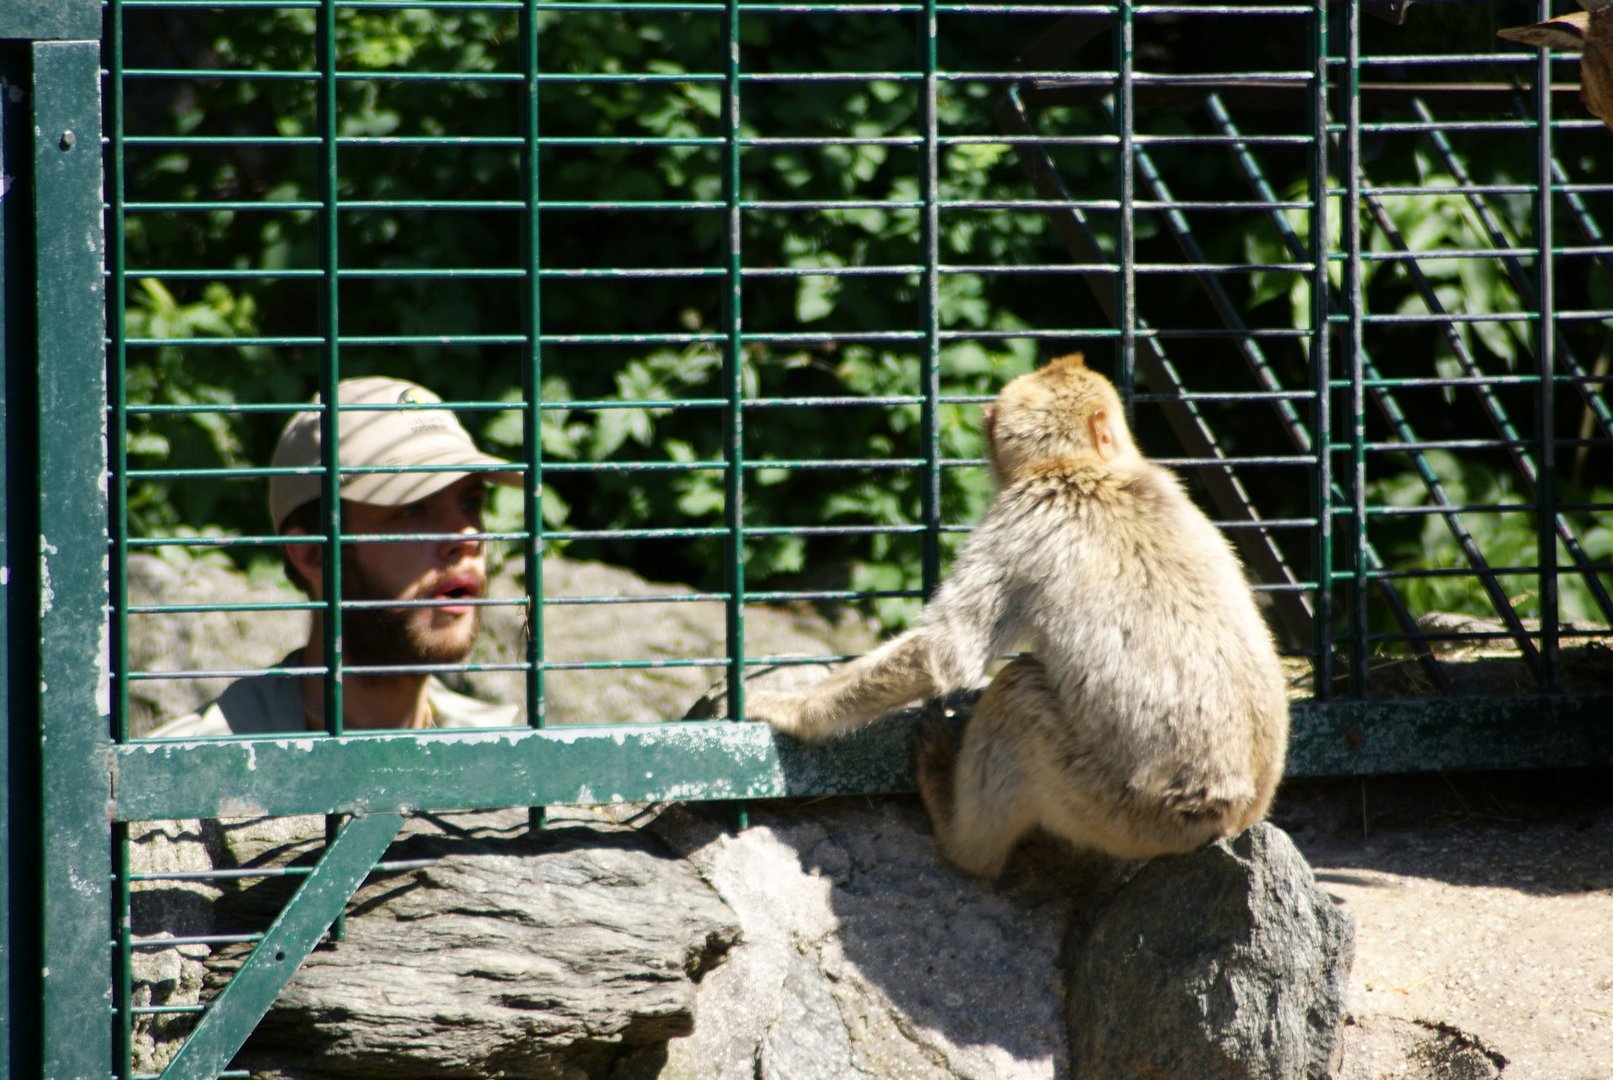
<point x="408" y="436"/>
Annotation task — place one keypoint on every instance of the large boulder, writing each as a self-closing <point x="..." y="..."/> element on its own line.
<point x="487" y="951"/>
<point x="826" y="939"/>
<point x="1225" y="964"/>
<point x="864" y="955"/>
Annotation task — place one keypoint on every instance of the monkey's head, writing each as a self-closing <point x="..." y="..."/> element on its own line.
<point x="1061" y="412"/>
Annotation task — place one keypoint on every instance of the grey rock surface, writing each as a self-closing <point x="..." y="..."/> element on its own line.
<point x="1225" y="963"/>
<point x="826" y="939"/>
<point x="496" y="953"/>
<point x="625" y="618"/>
<point x="865" y="955"/>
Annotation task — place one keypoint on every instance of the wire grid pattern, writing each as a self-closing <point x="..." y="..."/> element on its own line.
<point x="1349" y="272"/>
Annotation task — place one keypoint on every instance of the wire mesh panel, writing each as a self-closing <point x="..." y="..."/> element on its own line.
<point x="726" y="283"/>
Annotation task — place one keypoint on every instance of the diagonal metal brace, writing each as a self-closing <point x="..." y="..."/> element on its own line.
<point x="292" y="936"/>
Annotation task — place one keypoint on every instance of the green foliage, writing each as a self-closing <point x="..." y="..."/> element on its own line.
<point x="829" y="235"/>
<point x="652" y="383"/>
<point x="1507" y="538"/>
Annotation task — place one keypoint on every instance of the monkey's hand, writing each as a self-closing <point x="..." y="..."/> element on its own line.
<point x="785" y="712"/>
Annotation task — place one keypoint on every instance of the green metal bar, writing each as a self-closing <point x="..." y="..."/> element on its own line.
<point x="330" y="367"/>
<point x="117" y="365"/>
<point x="74" y="692"/>
<point x="733" y="367"/>
<point x="1545" y="356"/>
<point x="123" y="968"/>
<point x="50" y="20"/>
<point x="1125" y="114"/>
<point x="1321" y="363"/>
<point x="1350" y="166"/>
<point x="328" y="119"/>
<point x="300" y="925"/>
<point x="930" y="362"/>
<point x="733" y="373"/>
<point x="532" y="374"/>
<point x="532" y="378"/>
<point x="724" y="760"/>
<point x="19" y="822"/>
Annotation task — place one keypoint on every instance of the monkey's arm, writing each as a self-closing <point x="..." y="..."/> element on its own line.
<point x="967" y="623"/>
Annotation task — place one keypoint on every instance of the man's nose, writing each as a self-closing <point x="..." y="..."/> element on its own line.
<point x="465" y="526"/>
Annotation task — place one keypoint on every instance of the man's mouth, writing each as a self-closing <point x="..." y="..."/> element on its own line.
<point x="456" y="587"/>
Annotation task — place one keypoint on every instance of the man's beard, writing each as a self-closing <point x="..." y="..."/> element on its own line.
<point x="386" y="637"/>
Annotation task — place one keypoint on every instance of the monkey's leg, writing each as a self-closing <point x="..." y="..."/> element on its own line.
<point x="977" y="795"/>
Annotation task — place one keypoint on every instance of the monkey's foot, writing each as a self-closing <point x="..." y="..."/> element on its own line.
<point x="935" y="756"/>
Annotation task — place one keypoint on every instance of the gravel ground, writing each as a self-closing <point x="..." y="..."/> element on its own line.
<point x="1484" y="920"/>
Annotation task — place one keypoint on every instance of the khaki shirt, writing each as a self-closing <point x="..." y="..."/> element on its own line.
<point x="272" y="705"/>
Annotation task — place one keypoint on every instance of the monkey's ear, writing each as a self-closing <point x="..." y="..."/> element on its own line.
<point x="1070" y="360"/>
<point x="988" y="422"/>
<point x="1103" y="437"/>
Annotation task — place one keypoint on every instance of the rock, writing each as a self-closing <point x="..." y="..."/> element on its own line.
<point x="1225" y="963"/>
<point x="200" y="641"/>
<point x="492" y="953"/>
<point x="497" y="953"/>
<point x="634" y="620"/>
<point x="865" y="955"/>
<point x="826" y="939"/>
<point x="628" y="623"/>
<point x="165" y="910"/>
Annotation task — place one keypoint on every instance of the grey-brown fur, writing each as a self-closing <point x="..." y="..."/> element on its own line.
<point x="1150" y="716"/>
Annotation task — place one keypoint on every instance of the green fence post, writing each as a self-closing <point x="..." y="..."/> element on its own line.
<point x="74" y="680"/>
<point x="21" y="949"/>
<point x="17" y="860"/>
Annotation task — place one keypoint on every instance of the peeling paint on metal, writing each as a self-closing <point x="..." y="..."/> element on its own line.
<point x="103" y="663"/>
<point x="234" y="806"/>
<point x="47" y="595"/>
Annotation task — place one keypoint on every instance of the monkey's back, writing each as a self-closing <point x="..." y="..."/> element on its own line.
<point x="1151" y="636"/>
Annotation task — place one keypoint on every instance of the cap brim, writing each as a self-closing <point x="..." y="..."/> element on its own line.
<point x="402" y="488"/>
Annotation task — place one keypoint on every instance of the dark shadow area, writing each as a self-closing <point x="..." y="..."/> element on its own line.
<point x="1543" y="833"/>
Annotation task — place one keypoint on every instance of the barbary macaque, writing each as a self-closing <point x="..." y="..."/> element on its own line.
<point x="1589" y="33"/>
<point x="1149" y="716"/>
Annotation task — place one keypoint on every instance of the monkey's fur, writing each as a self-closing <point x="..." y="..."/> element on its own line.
<point x="1150" y="717"/>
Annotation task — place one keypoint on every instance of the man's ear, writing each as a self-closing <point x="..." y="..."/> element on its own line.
<point x="308" y="559"/>
<point x="1103" y="437"/>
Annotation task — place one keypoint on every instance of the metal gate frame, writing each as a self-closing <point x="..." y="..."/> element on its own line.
<point x="69" y="788"/>
<point x="56" y="676"/>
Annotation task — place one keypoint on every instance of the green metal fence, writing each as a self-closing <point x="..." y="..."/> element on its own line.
<point x="728" y="281"/>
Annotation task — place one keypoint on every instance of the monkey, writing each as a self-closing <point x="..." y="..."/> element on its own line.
<point x="1149" y="716"/>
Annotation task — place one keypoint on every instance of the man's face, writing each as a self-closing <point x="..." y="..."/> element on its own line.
<point x="446" y="570"/>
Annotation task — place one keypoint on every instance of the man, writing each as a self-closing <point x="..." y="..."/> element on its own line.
<point x="439" y="577"/>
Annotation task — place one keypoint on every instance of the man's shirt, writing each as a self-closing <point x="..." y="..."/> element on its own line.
<point x="272" y="705"/>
